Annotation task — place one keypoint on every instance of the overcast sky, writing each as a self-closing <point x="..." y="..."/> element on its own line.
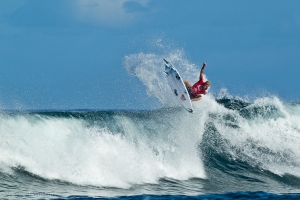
<point x="68" y="54"/>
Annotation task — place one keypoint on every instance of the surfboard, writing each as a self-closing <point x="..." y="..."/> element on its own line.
<point x="178" y="87"/>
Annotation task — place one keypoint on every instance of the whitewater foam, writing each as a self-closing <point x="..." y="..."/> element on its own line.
<point x="71" y="150"/>
<point x="268" y="138"/>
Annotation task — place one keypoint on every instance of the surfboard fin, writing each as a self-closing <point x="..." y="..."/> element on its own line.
<point x="166" y="61"/>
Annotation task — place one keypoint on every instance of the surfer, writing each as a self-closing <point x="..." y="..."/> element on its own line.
<point x="199" y="88"/>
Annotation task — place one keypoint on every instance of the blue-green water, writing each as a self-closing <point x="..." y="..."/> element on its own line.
<point x="226" y="149"/>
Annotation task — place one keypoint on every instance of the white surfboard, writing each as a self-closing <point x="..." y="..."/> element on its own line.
<point x="178" y="87"/>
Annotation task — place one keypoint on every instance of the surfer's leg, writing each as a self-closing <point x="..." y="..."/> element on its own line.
<point x="196" y="98"/>
<point x="187" y="84"/>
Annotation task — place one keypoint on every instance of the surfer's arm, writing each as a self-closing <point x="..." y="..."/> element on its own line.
<point x="202" y="71"/>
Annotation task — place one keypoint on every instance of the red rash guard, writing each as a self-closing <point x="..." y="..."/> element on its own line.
<point x="198" y="88"/>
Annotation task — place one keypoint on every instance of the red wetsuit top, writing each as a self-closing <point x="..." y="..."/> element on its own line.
<point x="198" y="88"/>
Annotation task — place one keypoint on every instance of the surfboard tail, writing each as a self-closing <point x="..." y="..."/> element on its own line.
<point x="166" y="61"/>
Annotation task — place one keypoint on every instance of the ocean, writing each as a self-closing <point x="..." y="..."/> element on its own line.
<point x="226" y="149"/>
<point x="229" y="148"/>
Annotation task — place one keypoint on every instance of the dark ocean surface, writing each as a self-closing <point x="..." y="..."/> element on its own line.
<point x="227" y="149"/>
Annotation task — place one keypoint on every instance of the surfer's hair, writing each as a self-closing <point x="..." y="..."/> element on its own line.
<point x="207" y="83"/>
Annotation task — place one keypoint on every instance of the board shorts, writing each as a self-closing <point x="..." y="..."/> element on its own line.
<point x="192" y="95"/>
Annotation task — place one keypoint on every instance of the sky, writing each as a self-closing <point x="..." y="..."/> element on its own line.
<point x="67" y="54"/>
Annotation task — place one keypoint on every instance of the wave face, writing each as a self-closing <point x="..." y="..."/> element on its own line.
<point x="227" y="145"/>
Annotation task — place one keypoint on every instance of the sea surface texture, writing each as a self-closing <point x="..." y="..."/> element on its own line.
<point x="227" y="148"/>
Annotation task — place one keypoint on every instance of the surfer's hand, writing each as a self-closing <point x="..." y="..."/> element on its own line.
<point x="204" y="64"/>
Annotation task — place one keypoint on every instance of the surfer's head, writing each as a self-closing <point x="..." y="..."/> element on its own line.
<point x="206" y="85"/>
